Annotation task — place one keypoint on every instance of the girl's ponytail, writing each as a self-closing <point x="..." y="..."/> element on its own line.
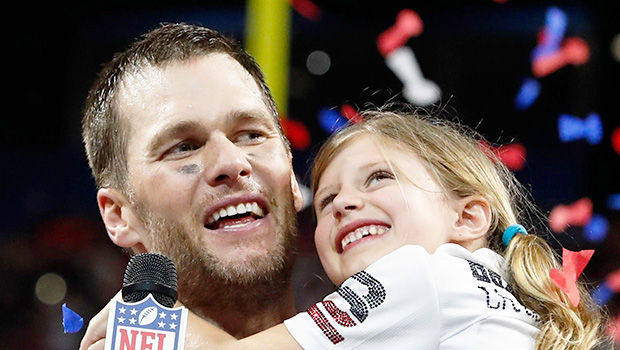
<point x="529" y="259"/>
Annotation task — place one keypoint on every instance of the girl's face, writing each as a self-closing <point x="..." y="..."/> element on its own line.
<point x="364" y="212"/>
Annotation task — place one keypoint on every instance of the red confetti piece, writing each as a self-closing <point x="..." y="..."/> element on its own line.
<point x="578" y="213"/>
<point x="573" y="264"/>
<point x="574" y="51"/>
<point x="408" y="24"/>
<point x="307" y="9"/>
<point x="613" y="281"/>
<point x="296" y="132"/>
<point x="615" y="140"/>
<point x="511" y="155"/>
<point x="350" y="113"/>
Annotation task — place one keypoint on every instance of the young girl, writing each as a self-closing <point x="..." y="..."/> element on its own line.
<point x="425" y="236"/>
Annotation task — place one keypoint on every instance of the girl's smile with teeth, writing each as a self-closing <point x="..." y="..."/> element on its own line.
<point x="362" y="232"/>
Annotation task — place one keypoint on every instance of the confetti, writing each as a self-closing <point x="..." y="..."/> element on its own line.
<point x="408" y="24"/>
<point x="527" y="94"/>
<point x="350" y="113"/>
<point x="573" y="264"/>
<point x="613" y="281"/>
<point x="511" y="155"/>
<point x="416" y="89"/>
<point x="571" y="128"/>
<point x="330" y="120"/>
<point x="307" y="9"/>
<point x="615" y="140"/>
<point x="578" y="213"/>
<point x="71" y="321"/>
<point x="596" y="230"/>
<point x="574" y="51"/>
<point x="608" y="288"/>
<point x="296" y="132"/>
<point x="552" y="34"/>
<point x="602" y="294"/>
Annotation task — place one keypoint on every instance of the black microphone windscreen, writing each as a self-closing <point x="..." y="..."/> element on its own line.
<point x="152" y="273"/>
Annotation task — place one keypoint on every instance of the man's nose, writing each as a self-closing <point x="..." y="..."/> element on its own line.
<point x="345" y="202"/>
<point x="225" y="162"/>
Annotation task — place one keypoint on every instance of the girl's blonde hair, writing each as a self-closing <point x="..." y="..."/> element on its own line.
<point x="453" y="153"/>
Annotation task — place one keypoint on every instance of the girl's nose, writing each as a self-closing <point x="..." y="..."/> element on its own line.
<point x="346" y="201"/>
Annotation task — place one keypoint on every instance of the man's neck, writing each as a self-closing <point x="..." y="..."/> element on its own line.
<point x="242" y="318"/>
<point x="238" y="308"/>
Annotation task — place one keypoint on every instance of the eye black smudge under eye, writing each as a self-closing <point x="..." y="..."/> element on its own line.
<point x="189" y="169"/>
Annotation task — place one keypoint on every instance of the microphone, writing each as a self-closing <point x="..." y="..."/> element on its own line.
<point x="147" y="318"/>
<point x="150" y="273"/>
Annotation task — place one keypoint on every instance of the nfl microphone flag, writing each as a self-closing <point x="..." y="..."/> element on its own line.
<point x="145" y="325"/>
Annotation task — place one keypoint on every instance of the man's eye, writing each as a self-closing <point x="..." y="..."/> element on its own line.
<point x="182" y="148"/>
<point x="251" y="136"/>
<point x="378" y="175"/>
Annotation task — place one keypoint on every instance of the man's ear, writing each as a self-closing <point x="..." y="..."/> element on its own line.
<point x="298" y="198"/>
<point x="120" y="221"/>
<point x="474" y="220"/>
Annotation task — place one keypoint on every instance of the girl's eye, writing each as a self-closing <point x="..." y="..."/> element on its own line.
<point x="325" y="201"/>
<point x="378" y="175"/>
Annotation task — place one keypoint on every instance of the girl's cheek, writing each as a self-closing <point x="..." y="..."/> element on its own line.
<point x="321" y="234"/>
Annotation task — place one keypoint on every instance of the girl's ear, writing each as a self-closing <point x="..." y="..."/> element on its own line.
<point x="473" y="222"/>
<point x="298" y="198"/>
<point x="122" y="224"/>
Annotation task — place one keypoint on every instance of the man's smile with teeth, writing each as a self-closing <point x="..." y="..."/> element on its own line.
<point x="248" y="210"/>
<point x="362" y="232"/>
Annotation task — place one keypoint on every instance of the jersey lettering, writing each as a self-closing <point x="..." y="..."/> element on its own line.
<point x="479" y="272"/>
<point x="341" y="317"/>
<point x="319" y="318"/>
<point x="376" y="292"/>
<point x="483" y="274"/>
<point x="496" y="279"/>
<point x="359" y="306"/>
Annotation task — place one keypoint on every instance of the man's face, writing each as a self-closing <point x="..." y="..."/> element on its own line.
<point x="209" y="174"/>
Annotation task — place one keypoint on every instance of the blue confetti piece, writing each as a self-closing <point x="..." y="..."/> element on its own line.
<point x="331" y="120"/>
<point x="555" y="28"/>
<point x="571" y="128"/>
<point x="527" y="94"/>
<point x="613" y="201"/>
<point x="596" y="230"/>
<point x="71" y="321"/>
<point x="602" y="294"/>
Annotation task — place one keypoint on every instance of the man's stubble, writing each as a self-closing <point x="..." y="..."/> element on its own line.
<point x="243" y="283"/>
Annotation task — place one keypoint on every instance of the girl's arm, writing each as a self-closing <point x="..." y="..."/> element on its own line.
<point x="204" y="335"/>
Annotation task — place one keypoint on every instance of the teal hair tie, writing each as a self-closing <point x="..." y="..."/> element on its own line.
<point x="511" y="232"/>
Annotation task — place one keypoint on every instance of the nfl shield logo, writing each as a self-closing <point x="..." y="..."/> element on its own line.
<point x="145" y="325"/>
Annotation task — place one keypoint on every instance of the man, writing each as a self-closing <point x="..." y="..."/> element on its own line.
<point x="183" y="140"/>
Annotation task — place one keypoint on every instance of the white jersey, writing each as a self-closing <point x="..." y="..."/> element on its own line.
<point x="410" y="299"/>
